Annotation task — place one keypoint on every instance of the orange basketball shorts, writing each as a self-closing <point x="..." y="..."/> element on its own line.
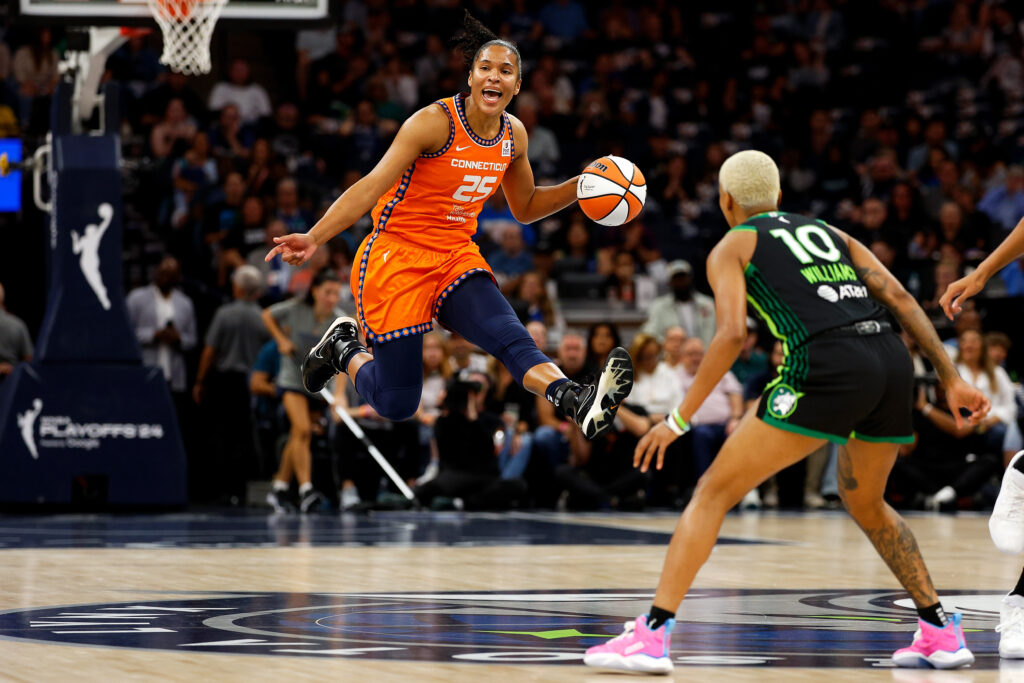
<point x="399" y="286"/>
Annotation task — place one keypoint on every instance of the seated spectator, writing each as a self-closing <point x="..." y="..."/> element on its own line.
<point x="684" y="307"/>
<point x="492" y="221"/>
<point x="673" y="348"/>
<point x="601" y="339"/>
<point x="250" y="98"/>
<point x="976" y="367"/>
<point x="622" y="283"/>
<point x="174" y="131"/>
<point x="578" y="254"/>
<point x="287" y="207"/>
<point x="752" y="360"/>
<point x="276" y="272"/>
<point x="945" y="462"/>
<point x="465" y="356"/>
<point x="656" y="387"/>
<point x="15" y="342"/>
<point x="1004" y="204"/>
<point x="512" y="261"/>
<point x="469" y="446"/>
<point x="720" y="413"/>
<point x="532" y="302"/>
<point x="194" y="175"/>
<point x="34" y="70"/>
<point x="230" y="139"/>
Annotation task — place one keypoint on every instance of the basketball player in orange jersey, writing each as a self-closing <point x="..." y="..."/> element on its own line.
<point x="419" y="262"/>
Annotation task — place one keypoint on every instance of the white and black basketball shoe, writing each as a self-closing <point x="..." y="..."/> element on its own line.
<point x="593" y="406"/>
<point x="331" y="353"/>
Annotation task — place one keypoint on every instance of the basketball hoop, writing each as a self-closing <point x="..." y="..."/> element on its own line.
<point x="187" y="26"/>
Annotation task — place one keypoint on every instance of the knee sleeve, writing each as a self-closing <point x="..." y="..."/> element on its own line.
<point x="393" y="381"/>
<point x="478" y="311"/>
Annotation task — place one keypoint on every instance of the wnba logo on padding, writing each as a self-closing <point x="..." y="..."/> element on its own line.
<point x="27" y="423"/>
<point x="87" y="247"/>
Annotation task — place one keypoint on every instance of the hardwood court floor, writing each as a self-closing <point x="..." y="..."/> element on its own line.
<point x="256" y="598"/>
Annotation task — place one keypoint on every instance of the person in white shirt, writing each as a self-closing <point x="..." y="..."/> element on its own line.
<point x="976" y="367"/>
<point x="251" y="98"/>
<point x="656" y="386"/>
<point x="720" y="413"/>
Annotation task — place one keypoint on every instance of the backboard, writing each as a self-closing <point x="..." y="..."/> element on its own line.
<point x="132" y="12"/>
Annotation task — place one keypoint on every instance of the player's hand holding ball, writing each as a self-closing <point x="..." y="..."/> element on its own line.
<point x="611" y="191"/>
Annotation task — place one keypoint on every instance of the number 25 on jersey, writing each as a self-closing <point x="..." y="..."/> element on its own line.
<point x="475" y="187"/>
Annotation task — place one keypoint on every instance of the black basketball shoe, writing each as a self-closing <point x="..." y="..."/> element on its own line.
<point x="593" y="406"/>
<point x="331" y="353"/>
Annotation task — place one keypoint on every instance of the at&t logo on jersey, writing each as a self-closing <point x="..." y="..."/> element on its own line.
<point x="830" y="294"/>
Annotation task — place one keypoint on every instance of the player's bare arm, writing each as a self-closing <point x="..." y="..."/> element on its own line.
<point x="963" y="289"/>
<point x="725" y="274"/>
<point x="528" y="202"/>
<point x="887" y="290"/>
<point x="424" y="131"/>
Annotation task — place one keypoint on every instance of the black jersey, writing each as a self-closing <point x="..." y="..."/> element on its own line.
<point x="801" y="280"/>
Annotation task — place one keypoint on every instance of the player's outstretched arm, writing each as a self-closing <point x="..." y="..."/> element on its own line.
<point x="528" y="202"/>
<point x="963" y="289"/>
<point x="887" y="290"/>
<point x="424" y="131"/>
<point x="725" y="274"/>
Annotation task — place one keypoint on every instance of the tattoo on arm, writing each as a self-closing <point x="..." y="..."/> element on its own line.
<point x="912" y="318"/>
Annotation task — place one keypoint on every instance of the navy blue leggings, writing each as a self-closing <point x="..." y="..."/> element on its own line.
<point x="393" y="381"/>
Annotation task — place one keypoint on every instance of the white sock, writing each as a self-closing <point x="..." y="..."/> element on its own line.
<point x="305" y="488"/>
<point x="280" y="485"/>
<point x="1014" y="600"/>
<point x="947" y="494"/>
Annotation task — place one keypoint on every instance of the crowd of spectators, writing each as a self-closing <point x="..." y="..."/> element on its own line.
<point x="922" y="162"/>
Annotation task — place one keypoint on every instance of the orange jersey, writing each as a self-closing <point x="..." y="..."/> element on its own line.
<point x="436" y="201"/>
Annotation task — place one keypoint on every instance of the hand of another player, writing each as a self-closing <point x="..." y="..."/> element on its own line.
<point x="295" y="249"/>
<point x="653" y="442"/>
<point x="960" y="394"/>
<point x="956" y="294"/>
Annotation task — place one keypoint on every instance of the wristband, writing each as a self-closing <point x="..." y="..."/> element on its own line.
<point x="676" y="423"/>
<point x="927" y="409"/>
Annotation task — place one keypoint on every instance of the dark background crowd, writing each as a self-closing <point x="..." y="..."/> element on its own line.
<point x="901" y="121"/>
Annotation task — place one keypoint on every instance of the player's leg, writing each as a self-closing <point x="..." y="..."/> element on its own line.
<point x="477" y="311"/>
<point x="300" y="435"/>
<point x="863" y="470"/>
<point x="754" y="452"/>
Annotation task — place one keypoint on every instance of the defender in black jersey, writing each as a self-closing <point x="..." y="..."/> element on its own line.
<point x="846" y="378"/>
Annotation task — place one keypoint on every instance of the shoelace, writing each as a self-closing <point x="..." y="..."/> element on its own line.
<point x="1014" y="623"/>
<point x="627" y="630"/>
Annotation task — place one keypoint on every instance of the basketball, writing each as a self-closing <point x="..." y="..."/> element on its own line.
<point x="611" y="191"/>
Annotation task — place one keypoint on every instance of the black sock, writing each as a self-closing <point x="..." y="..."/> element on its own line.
<point x="934" y="615"/>
<point x="658" y="616"/>
<point x="562" y="393"/>
<point x="343" y="352"/>
<point x="1019" y="588"/>
<point x="1019" y="465"/>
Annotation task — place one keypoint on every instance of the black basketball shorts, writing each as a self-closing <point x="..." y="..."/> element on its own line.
<point x="844" y="387"/>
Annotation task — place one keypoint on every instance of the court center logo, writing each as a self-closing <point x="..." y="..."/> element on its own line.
<point x="782" y="401"/>
<point x="87" y="247"/>
<point x="715" y="627"/>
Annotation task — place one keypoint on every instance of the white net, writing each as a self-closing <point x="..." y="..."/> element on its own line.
<point x="187" y="26"/>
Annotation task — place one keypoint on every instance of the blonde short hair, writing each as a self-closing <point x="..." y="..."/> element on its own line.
<point x="752" y="178"/>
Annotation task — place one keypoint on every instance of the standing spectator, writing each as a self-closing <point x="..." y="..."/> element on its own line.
<point x="684" y="306"/>
<point x="720" y="413"/>
<point x="296" y="325"/>
<point x="165" y="324"/>
<point x="34" y="69"/>
<point x="436" y="373"/>
<point x="15" y="342"/>
<point x="222" y="382"/>
<point x="251" y="99"/>
<point x="263" y="387"/>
